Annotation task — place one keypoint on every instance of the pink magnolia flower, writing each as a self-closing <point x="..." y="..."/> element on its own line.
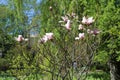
<point x="77" y="38"/>
<point x="49" y="36"/>
<point x="95" y="32"/>
<point x="87" y="20"/>
<point x="20" y="38"/>
<point x="81" y="36"/>
<point x="67" y="25"/>
<point x="90" y="20"/>
<point x="80" y="27"/>
<point x="46" y="37"/>
<point x="84" y="20"/>
<point x="50" y="8"/>
<point x="89" y="31"/>
<point x="73" y="14"/>
<point x="64" y="18"/>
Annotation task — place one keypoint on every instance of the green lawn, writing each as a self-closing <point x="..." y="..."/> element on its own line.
<point x="97" y="75"/>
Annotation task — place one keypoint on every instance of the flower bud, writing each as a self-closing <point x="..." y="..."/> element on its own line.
<point x="50" y="8"/>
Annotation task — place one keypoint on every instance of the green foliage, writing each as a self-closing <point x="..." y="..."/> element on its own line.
<point x="100" y="58"/>
<point x="109" y="24"/>
<point x="6" y="43"/>
<point x="98" y="75"/>
<point x="47" y="58"/>
<point x="4" y="12"/>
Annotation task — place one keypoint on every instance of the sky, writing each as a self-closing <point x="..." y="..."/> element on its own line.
<point x="3" y="2"/>
<point x="30" y="13"/>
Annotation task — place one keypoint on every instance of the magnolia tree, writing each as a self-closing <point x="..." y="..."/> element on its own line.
<point x="68" y="53"/>
<point x="65" y="52"/>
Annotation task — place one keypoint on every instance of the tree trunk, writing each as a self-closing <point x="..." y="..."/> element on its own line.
<point x="115" y="69"/>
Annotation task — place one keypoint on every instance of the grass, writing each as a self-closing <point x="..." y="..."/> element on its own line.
<point x="97" y="75"/>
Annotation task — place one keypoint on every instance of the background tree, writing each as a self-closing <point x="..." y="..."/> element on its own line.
<point x="6" y="41"/>
<point x="15" y="21"/>
<point x="109" y="23"/>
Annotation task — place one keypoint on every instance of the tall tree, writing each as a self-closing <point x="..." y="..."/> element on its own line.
<point x="109" y="24"/>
